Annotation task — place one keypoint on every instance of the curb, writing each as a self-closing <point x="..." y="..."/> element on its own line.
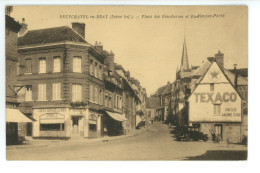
<point x="87" y="141"/>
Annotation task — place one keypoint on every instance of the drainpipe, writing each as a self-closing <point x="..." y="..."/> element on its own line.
<point x="235" y="71"/>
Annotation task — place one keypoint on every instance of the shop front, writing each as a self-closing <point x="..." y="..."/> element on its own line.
<point x="66" y="122"/>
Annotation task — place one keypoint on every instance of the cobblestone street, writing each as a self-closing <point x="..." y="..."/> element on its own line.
<point x="151" y="143"/>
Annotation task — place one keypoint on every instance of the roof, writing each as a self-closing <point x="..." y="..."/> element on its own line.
<point x="161" y="90"/>
<point x="11" y="24"/>
<point x="202" y="69"/>
<point x="152" y="102"/>
<point x="242" y="71"/>
<point x="240" y="79"/>
<point x="50" y="35"/>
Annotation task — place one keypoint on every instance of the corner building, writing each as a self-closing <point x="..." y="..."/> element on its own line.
<point x="62" y="75"/>
<point x="215" y="105"/>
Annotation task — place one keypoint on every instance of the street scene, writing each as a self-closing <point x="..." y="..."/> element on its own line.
<point x="126" y="83"/>
<point x="144" y="145"/>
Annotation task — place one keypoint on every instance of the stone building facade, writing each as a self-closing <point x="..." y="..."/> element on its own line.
<point x="70" y="87"/>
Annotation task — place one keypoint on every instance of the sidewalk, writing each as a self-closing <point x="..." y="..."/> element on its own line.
<point x="34" y="143"/>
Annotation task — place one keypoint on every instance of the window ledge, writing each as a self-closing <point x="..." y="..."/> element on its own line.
<point x="42" y="100"/>
<point x="27" y="73"/>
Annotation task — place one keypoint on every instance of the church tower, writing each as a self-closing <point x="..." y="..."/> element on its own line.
<point x="184" y="59"/>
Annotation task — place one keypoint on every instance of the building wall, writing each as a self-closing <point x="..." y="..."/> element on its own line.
<point x="230" y="131"/>
<point x="202" y="110"/>
<point x="11" y="61"/>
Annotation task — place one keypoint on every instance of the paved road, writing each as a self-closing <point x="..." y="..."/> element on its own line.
<point x="155" y="143"/>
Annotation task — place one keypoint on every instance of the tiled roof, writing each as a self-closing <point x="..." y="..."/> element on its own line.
<point x="10" y="23"/>
<point x="240" y="80"/>
<point x="202" y="69"/>
<point x="242" y="71"/>
<point x="50" y="35"/>
<point x="152" y="102"/>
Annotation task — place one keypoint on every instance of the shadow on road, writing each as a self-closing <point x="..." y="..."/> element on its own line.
<point x="221" y="155"/>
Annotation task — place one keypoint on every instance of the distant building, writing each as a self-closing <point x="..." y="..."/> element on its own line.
<point x="152" y="104"/>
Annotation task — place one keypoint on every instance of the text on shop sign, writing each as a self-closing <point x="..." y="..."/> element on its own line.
<point x="215" y="97"/>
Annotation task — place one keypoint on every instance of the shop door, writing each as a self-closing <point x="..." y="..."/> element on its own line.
<point x="218" y="130"/>
<point x="75" y="124"/>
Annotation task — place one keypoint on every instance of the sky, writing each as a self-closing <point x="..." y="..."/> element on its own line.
<point x="151" y="48"/>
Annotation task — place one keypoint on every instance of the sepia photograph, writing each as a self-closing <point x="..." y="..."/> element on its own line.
<point x="141" y="83"/>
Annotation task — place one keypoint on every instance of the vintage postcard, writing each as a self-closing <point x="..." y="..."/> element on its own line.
<point x="126" y="82"/>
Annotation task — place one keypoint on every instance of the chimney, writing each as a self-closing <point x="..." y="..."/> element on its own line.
<point x="220" y="59"/>
<point x="24" y="28"/>
<point x="128" y="73"/>
<point x="98" y="46"/>
<point x="235" y="71"/>
<point x="210" y="59"/>
<point x="79" y="28"/>
<point x="109" y="61"/>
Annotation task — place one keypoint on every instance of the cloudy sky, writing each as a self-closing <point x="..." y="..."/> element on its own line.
<point x="151" y="48"/>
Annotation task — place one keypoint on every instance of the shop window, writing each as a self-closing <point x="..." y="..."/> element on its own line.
<point x="42" y="65"/>
<point x="217" y="109"/>
<point x="56" y="64"/>
<point x="52" y="127"/>
<point x="77" y="64"/>
<point x="212" y="87"/>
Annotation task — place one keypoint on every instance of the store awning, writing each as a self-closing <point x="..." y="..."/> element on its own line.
<point x="138" y="119"/>
<point x="14" y="115"/>
<point x="116" y="116"/>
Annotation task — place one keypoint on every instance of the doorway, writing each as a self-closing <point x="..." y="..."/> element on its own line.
<point x="218" y="130"/>
<point x="75" y="125"/>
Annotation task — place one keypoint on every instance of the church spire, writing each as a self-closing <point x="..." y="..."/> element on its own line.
<point x="184" y="59"/>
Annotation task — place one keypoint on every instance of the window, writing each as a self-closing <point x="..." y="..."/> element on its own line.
<point x="52" y="127"/>
<point x="42" y="92"/>
<point x="109" y="101"/>
<point x="120" y="102"/>
<point x="101" y="97"/>
<point x="28" y="65"/>
<point x="56" y="91"/>
<point x="18" y="68"/>
<point x="77" y="64"/>
<point x="106" y="100"/>
<point x="96" y="95"/>
<point x="96" y="70"/>
<point x="91" y="93"/>
<point x="42" y="67"/>
<point x="217" y="109"/>
<point x="100" y="73"/>
<point x="76" y="92"/>
<point x="91" y="69"/>
<point x="28" y="93"/>
<point x="212" y="87"/>
<point x="56" y="64"/>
